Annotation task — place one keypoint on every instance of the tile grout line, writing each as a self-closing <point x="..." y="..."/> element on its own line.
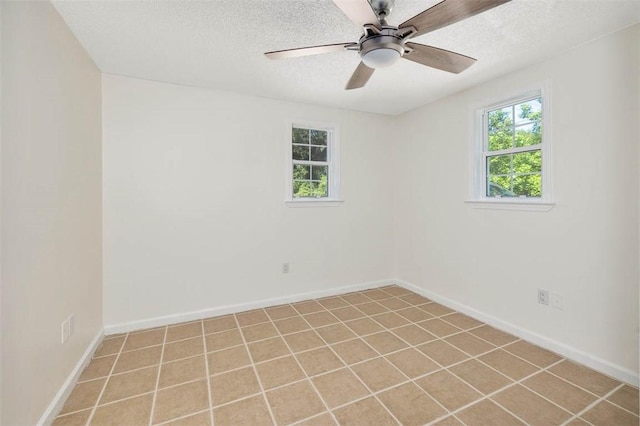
<point x="206" y="366"/>
<point x="598" y="401"/>
<point x="155" y="394"/>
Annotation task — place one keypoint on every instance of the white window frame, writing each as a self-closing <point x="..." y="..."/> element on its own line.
<point x="333" y="161"/>
<point x="479" y="151"/>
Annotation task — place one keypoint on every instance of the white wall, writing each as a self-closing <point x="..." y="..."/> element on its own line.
<point x="194" y="213"/>
<point x="586" y="248"/>
<point x="51" y="206"/>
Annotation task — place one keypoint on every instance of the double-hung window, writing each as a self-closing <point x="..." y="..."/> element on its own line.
<point x="313" y="165"/>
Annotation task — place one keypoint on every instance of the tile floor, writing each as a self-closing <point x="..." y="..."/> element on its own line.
<point x="376" y="357"/>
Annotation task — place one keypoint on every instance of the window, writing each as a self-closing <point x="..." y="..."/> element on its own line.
<point x="312" y="159"/>
<point x="511" y="151"/>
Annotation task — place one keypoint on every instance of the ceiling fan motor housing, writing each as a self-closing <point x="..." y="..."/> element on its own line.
<point x="381" y="47"/>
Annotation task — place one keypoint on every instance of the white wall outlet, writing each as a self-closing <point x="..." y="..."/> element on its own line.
<point x="555" y="300"/>
<point x="65" y="330"/>
<point x="543" y="296"/>
<point x="285" y="268"/>
<point x="72" y="324"/>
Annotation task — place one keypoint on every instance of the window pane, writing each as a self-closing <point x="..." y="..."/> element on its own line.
<point x="319" y="189"/>
<point x="318" y="153"/>
<point x="301" y="188"/>
<point x="300" y="135"/>
<point x="500" y="126"/>
<point x="527" y="162"/>
<point x="499" y="186"/>
<point x="529" y="111"/>
<point x="499" y="164"/>
<point x="319" y="172"/>
<point x="300" y="172"/>
<point x="318" y="137"/>
<point x="300" y="152"/>
<point x="529" y="185"/>
<point x="529" y="134"/>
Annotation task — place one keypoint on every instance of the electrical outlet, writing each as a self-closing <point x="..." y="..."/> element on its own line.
<point x="65" y="330"/>
<point x="555" y="299"/>
<point x="543" y="296"/>
<point x="285" y="268"/>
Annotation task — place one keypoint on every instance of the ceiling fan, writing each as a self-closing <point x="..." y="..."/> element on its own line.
<point x="381" y="44"/>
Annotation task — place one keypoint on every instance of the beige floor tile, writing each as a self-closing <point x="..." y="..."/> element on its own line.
<point x="279" y="372"/>
<point x="320" y="420"/>
<point x="348" y="313"/>
<point x="410" y="405"/>
<point x="480" y="376"/>
<point x="577" y="422"/>
<point x="366" y="412"/>
<point x="138" y="359"/>
<point x="390" y="320"/>
<point x="223" y="340"/>
<point x="415" y="299"/>
<point x="530" y="407"/>
<point x="335" y="333"/>
<point x="252" y="317"/>
<point x="396" y="290"/>
<point x="508" y="364"/>
<point x="261" y="331"/>
<point x="442" y="353"/>
<point x="76" y="419"/>
<point x="202" y="418"/>
<point x="181" y="371"/>
<point x="438" y="327"/>
<point x="318" y="361"/>
<point x="372" y="308"/>
<point x="462" y="321"/>
<point x="493" y="335"/>
<point x="308" y="307"/>
<point x="228" y="359"/>
<point x="251" y="411"/>
<point x="394" y="303"/>
<point x="281" y="312"/>
<point x="110" y="346"/>
<point x="320" y="319"/>
<point x="334" y="302"/>
<point x="355" y="298"/>
<point x="364" y="326"/>
<point x="121" y="386"/>
<point x="557" y="390"/>
<point x="184" y="331"/>
<point x="218" y="324"/>
<point x="294" y="402"/>
<point x="413" y="334"/>
<point x="268" y="349"/>
<point x="448" y="390"/>
<point x="626" y="397"/>
<point x="376" y="294"/>
<point x="84" y="395"/>
<point x="339" y="387"/>
<point x="98" y="367"/>
<point x="436" y="309"/>
<point x="180" y="401"/>
<point x="303" y="341"/>
<point x="130" y="412"/>
<point x="608" y="414"/>
<point x="378" y="374"/>
<point x="384" y="342"/>
<point x="144" y="339"/>
<point x="183" y="349"/>
<point x="412" y="362"/>
<point x="532" y="353"/>
<point x="353" y="351"/>
<point x="585" y="377"/>
<point x="291" y="325"/>
<point x="414" y="314"/>
<point x="486" y="413"/>
<point x="237" y="384"/>
<point x="448" y="421"/>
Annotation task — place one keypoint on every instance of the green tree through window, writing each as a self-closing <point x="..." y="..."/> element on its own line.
<point x="310" y="161"/>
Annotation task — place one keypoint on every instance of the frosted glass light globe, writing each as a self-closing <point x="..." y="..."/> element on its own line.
<point x="380" y="58"/>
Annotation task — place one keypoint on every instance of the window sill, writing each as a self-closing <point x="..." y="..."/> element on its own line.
<point x="313" y="203"/>
<point x="502" y="204"/>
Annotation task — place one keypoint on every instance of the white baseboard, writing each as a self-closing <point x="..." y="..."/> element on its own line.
<point x="65" y="390"/>
<point x="598" y="364"/>
<point x="232" y="309"/>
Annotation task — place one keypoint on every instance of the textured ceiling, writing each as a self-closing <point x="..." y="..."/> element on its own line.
<point x="220" y="44"/>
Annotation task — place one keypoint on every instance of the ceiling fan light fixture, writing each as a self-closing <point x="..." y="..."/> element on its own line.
<point x="381" y="58"/>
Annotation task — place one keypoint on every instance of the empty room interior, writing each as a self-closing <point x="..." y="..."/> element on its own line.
<point x="322" y="212"/>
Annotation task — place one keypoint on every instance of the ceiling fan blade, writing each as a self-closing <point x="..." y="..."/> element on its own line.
<point x="359" y="77"/>
<point x="448" y="12"/>
<point x="441" y="59"/>
<point x="358" y="11"/>
<point x="306" y="51"/>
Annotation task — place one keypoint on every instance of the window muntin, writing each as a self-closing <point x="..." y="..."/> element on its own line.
<point x="512" y="157"/>
<point x="311" y="162"/>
